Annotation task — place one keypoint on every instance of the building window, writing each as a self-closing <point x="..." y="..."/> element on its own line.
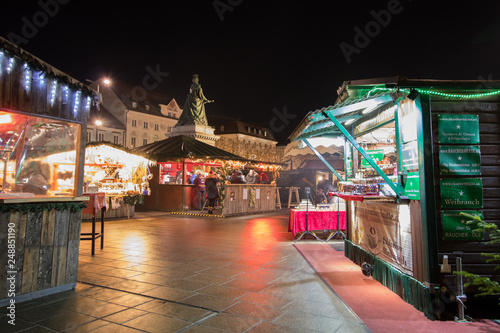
<point x="134" y="105"/>
<point x="265" y="133"/>
<point x="146" y="125"/>
<point x="89" y="136"/>
<point x="134" y="122"/>
<point x="116" y="139"/>
<point x="144" y="142"/>
<point x="170" y="114"/>
<point x="132" y="142"/>
<point x="101" y="137"/>
<point x="157" y="127"/>
<point x="260" y="132"/>
<point x="147" y="107"/>
<point x="249" y="129"/>
<point x="222" y="128"/>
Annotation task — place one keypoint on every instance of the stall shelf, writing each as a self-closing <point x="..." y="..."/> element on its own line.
<point x="428" y="146"/>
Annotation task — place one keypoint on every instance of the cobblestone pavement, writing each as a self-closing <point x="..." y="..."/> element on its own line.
<point x="170" y="273"/>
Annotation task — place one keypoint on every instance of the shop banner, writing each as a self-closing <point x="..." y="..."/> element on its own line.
<point x="376" y="155"/>
<point x="384" y="230"/>
<point x="460" y="160"/>
<point x="409" y="155"/>
<point x="412" y="185"/>
<point x="455" y="226"/>
<point x="459" y="129"/>
<point x="462" y="193"/>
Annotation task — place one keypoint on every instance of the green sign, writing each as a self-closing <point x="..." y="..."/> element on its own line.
<point x="376" y="155"/>
<point x="459" y="160"/>
<point x="455" y="226"/>
<point x="462" y="193"/>
<point x="412" y="186"/>
<point x="458" y="128"/>
<point x="409" y="155"/>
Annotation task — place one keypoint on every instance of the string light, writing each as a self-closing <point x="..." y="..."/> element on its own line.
<point x="462" y="96"/>
<point x="27" y="77"/>
<point x="10" y="65"/>
<point x="77" y="102"/>
<point x="89" y="101"/>
<point x="53" y="93"/>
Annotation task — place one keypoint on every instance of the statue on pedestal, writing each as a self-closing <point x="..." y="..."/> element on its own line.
<point x="193" y="112"/>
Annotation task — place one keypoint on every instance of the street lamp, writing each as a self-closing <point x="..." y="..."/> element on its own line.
<point x="97" y="124"/>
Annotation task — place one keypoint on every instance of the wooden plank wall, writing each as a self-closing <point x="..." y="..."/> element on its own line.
<point x="47" y="248"/>
<point x="489" y="131"/>
<point x="266" y="203"/>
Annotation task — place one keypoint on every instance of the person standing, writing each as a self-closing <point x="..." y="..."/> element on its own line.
<point x="264" y="179"/>
<point x="212" y="190"/>
<point x="252" y="177"/>
<point x="199" y="186"/>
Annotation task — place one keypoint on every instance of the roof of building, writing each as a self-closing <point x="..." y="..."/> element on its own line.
<point x="241" y="127"/>
<point x="107" y="119"/>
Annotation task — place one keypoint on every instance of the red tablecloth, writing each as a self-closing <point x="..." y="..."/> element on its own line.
<point x="318" y="220"/>
<point x="97" y="201"/>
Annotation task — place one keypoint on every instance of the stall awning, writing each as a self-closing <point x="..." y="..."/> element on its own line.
<point x="350" y="118"/>
<point x="352" y="112"/>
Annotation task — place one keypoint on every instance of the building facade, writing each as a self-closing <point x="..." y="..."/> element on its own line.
<point x="130" y="118"/>
<point x="247" y="140"/>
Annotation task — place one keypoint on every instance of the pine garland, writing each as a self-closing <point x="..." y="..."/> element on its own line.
<point x="39" y="207"/>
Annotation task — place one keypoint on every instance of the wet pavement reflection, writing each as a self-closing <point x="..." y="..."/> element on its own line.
<point x="171" y="273"/>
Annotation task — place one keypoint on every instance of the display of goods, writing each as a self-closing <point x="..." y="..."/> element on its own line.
<point x="362" y="189"/>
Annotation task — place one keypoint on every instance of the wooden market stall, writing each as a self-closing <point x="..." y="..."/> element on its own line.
<point x="43" y="116"/>
<point x="180" y="156"/>
<point x="122" y="175"/>
<point x="417" y="154"/>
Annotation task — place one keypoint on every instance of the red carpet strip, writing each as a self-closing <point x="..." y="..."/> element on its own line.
<point x="378" y="307"/>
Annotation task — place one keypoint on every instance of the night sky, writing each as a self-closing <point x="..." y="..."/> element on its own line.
<point x="256" y="58"/>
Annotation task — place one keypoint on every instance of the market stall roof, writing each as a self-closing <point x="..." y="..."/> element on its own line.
<point x="349" y="112"/>
<point x="182" y="146"/>
<point x="121" y="149"/>
<point x="40" y="65"/>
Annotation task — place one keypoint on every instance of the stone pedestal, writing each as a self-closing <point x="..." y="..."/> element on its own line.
<point x="199" y="132"/>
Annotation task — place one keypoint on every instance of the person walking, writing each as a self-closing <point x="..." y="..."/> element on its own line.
<point x="212" y="190"/>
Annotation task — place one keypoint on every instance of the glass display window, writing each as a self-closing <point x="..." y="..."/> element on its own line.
<point x="38" y="155"/>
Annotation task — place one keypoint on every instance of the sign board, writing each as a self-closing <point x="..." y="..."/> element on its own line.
<point x="457" y="128"/>
<point x="461" y="193"/>
<point x="459" y="160"/>
<point x="409" y="155"/>
<point x="384" y="229"/>
<point x="376" y="155"/>
<point x="455" y="226"/>
<point x="412" y="185"/>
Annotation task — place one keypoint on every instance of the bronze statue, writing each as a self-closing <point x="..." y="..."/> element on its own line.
<point x="193" y="112"/>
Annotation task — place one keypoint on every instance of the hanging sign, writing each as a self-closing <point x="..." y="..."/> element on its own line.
<point x="412" y="185"/>
<point x="455" y="226"/>
<point x="459" y="160"/>
<point x="457" y="128"/>
<point x="462" y="193"/>
<point x="409" y="155"/>
<point x="376" y="155"/>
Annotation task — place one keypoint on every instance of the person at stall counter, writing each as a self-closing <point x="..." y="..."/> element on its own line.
<point x="199" y="186"/>
<point x="237" y="178"/>
<point x="252" y="177"/>
<point x="212" y="190"/>
<point x="264" y="179"/>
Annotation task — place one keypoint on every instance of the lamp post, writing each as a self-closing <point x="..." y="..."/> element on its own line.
<point x="97" y="124"/>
